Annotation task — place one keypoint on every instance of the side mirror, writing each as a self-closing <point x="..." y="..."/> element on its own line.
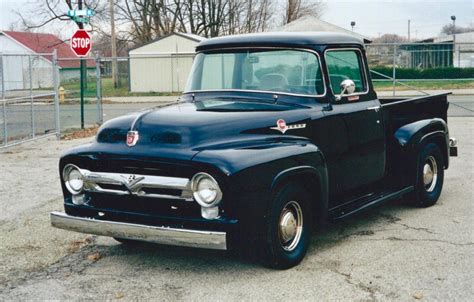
<point x="347" y="87"/>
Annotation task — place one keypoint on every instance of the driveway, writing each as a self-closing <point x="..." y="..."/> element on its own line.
<point x="393" y="252"/>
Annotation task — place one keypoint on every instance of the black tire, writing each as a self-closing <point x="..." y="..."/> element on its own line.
<point x="128" y="241"/>
<point x="429" y="159"/>
<point x="277" y="254"/>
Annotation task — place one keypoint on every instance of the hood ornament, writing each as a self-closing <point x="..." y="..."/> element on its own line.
<point x="283" y="127"/>
<point x="132" y="138"/>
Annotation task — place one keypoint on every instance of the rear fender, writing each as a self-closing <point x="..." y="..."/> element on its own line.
<point x="412" y="137"/>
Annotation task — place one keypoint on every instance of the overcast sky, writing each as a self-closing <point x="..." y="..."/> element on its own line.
<point x="372" y="17"/>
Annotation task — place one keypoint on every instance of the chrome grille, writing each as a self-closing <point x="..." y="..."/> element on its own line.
<point x="136" y="184"/>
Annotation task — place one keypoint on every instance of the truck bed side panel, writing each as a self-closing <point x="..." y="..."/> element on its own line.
<point x="398" y="113"/>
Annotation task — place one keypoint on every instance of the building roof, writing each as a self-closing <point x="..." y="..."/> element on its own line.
<point x="46" y="43"/>
<point x="310" y="23"/>
<point x="191" y="37"/>
<point x="280" y="39"/>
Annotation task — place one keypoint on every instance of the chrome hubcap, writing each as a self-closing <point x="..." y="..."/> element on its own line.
<point x="290" y="225"/>
<point x="430" y="174"/>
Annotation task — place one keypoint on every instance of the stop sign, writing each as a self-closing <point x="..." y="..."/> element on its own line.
<point x="81" y="43"/>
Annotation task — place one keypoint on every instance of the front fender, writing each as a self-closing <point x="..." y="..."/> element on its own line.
<point x="255" y="170"/>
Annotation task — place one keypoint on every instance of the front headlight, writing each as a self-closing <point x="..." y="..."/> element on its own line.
<point x="73" y="179"/>
<point x="206" y="190"/>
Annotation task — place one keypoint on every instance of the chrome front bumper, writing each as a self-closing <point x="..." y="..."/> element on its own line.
<point x="162" y="235"/>
<point x="135" y="184"/>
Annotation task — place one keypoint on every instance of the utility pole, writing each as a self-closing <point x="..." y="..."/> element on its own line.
<point x="454" y="37"/>
<point x="82" y="70"/>
<point x="409" y="30"/>
<point x="113" y="41"/>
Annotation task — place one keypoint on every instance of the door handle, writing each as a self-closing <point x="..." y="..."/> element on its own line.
<point x="376" y="108"/>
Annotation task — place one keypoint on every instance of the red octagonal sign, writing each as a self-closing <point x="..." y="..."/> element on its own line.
<point x="81" y="43"/>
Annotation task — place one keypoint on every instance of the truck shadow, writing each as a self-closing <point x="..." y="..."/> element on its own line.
<point x="364" y="224"/>
<point x="148" y="255"/>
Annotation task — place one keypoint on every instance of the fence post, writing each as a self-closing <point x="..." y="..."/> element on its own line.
<point x="3" y="76"/>
<point x="172" y="73"/>
<point x="459" y="56"/>
<point x="394" y="72"/>
<point x="56" y="96"/>
<point x="98" y="90"/>
<point x="4" y="99"/>
<point x="30" y="70"/>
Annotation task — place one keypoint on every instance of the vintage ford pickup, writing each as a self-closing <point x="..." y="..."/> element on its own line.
<point x="274" y="135"/>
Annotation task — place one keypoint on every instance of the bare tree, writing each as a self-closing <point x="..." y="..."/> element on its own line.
<point x="390" y="38"/>
<point x="449" y="29"/>
<point x="140" y="21"/>
<point x="54" y="12"/>
<point x="296" y="9"/>
<point x="249" y="16"/>
<point x="209" y="18"/>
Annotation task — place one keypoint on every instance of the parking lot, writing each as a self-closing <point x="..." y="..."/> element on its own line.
<point x="391" y="252"/>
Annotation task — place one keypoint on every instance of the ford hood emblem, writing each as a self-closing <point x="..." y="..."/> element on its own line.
<point x="132" y="138"/>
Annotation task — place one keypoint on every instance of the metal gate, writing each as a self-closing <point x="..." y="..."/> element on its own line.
<point x="29" y="105"/>
<point x="40" y="96"/>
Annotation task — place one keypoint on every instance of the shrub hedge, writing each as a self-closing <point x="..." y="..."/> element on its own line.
<point x="429" y="73"/>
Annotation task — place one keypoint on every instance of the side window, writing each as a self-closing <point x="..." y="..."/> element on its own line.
<point x="345" y="64"/>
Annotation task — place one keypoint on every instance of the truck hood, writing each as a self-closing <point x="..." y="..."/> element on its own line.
<point x="193" y="127"/>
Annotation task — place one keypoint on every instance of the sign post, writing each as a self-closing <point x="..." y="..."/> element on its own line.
<point x="81" y="45"/>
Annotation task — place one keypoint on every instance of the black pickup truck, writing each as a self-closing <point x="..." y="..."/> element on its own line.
<point x="275" y="135"/>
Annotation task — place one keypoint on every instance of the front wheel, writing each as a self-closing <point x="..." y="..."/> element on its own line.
<point x="288" y="231"/>
<point x="430" y="175"/>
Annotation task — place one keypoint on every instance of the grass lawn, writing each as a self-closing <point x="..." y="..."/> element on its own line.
<point x="108" y="89"/>
<point x="428" y="85"/>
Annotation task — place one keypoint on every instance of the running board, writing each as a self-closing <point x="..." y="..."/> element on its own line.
<point x="359" y="205"/>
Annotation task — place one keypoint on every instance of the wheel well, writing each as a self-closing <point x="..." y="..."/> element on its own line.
<point x="441" y="142"/>
<point x="312" y="184"/>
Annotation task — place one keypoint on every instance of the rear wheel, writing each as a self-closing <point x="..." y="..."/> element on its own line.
<point x="288" y="231"/>
<point x="430" y="175"/>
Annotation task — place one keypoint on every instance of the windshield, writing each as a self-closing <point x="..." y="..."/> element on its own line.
<point x="287" y="71"/>
<point x="240" y="105"/>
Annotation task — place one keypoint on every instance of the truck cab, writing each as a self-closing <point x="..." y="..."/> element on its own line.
<point x="274" y="135"/>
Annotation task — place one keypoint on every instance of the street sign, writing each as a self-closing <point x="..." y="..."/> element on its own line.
<point x="81" y="43"/>
<point x="81" y="19"/>
<point x="82" y="12"/>
<point x="80" y="16"/>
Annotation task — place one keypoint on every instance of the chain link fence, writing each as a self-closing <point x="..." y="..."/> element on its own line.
<point x="72" y="116"/>
<point x="395" y="67"/>
<point x="29" y="102"/>
<point x="40" y="95"/>
<point x="421" y="66"/>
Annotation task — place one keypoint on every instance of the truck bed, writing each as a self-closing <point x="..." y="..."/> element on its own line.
<point x="398" y="112"/>
<point x="402" y="111"/>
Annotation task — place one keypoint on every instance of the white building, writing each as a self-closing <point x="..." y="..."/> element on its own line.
<point x="463" y="52"/>
<point x="163" y="65"/>
<point x="20" y="49"/>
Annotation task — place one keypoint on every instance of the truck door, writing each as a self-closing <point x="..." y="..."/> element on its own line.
<point x="356" y="143"/>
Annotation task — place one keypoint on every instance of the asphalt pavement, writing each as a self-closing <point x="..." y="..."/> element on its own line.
<point x="392" y="252"/>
